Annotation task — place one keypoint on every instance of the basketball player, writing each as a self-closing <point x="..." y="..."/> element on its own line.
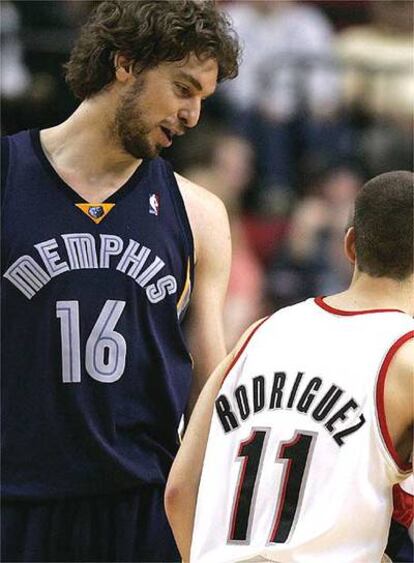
<point x="299" y="436"/>
<point x="101" y="242"/>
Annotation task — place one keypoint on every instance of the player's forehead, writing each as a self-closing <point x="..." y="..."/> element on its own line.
<point x="201" y="73"/>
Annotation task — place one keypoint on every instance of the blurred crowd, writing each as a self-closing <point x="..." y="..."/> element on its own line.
<point x="324" y="100"/>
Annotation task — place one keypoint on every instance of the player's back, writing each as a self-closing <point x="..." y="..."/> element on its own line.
<point x="299" y="466"/>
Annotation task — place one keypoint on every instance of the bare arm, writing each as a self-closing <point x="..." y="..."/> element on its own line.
<point x="184" y="479"/>
<point x="211" y="232"/>
<point x="399" y="412"/>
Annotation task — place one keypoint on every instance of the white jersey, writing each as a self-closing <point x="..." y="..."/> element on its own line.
<point x="299" y="465"/>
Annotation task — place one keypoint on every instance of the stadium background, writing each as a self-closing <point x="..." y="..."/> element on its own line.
<point x="323" y="102"/>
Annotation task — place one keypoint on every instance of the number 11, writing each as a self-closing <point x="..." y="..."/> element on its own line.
<point x="294" y="455"/>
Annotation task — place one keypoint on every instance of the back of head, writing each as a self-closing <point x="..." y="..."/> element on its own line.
<point x="149" y="32"/>
<point x="383" y="223"/>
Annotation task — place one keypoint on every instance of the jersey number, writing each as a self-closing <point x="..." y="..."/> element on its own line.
<point x="105" y="351"/>
<point x="294" y="456"/>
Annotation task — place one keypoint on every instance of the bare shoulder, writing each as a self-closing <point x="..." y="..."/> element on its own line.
<point x="200" y="203"/>
<point x="206" y="212"/>
<point x="398" y="399"/>
<point x="402" y="364"/>
<point x="196" y="194"/>
<point x="400" y="380"/>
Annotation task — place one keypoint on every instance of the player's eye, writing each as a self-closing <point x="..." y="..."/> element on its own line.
<point x="183" y="90"/>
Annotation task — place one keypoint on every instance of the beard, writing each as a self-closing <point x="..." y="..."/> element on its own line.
<point x="130" y="126"/>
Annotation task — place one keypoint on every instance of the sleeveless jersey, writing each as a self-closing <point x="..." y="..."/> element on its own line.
<point x="299" y="466"/>
<point x="96" y="373"/>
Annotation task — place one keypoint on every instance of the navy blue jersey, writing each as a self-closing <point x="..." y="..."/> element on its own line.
<point x="95" y="374"/>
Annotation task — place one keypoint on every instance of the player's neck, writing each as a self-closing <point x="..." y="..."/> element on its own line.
<point x="85" y="153"/>
<point x="366" y="292"/>
<point x="87" y="140"/>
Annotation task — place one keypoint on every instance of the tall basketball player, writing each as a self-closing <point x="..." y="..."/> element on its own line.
<point x="300" y="434"/>
<point x="101" y="241"/>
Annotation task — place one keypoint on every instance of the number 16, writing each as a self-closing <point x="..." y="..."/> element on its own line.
<point x="105" y="352"/>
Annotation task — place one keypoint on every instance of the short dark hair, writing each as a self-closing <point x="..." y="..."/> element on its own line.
<point x="383" y="222"/>
<point x="149" y="32"/>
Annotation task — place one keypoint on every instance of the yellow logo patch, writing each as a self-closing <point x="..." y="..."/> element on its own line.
<point x="95" y="211"/>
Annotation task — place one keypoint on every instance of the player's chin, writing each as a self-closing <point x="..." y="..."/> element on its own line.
<point x="151" y="149"/>
<point x="143" y="150"/>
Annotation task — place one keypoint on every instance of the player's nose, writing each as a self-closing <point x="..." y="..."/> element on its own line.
<point x="190" y="114"/>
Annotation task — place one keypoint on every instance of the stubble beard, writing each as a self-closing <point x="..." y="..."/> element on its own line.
<point x="131" y="127"/>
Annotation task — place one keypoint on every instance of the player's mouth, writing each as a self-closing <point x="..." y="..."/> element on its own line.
<point x="168" y="136"/>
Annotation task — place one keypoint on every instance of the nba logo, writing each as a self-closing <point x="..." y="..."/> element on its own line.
<point x="154" y="204"/>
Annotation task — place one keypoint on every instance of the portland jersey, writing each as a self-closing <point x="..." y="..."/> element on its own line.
<point x="299" y="466"/>
<point x="96" y="373"/>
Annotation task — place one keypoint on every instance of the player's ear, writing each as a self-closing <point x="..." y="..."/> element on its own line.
<point x="123" y="67"/>
<point x="349" y="245"/>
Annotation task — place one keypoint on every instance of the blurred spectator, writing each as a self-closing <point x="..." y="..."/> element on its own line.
<point x="287" y="96"/>
<point x="379" y="83"/>
<point x="311" y="261"/>
<point x="278" y="35"/>
<point x="346" y="12"/>
<point x="15" y="78"/>
<point x="47" y="30"/>
<point x="226" y="171"/>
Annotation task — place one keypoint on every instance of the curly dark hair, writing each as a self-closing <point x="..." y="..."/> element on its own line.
<point x="149" y="32"/>
<point x="383" y="223"/>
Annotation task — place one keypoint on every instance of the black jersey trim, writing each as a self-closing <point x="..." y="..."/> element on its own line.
<point x="69" y="191"/>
